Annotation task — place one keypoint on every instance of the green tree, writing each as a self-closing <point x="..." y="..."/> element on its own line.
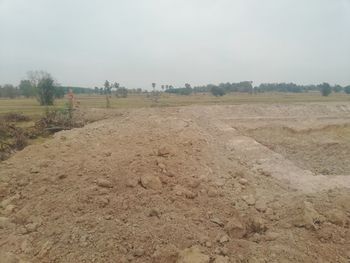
<point x="347" y="90"/>
<point x="217" y="91"/>
<point x="46" y="91"/>
<point x="107" y="91"/>
<point x="337" y="88"/>
<point x="44" y="86"/>
<point x="122" y="92"/>
<point x="59" y="92"/>
<point x="9" y="91"/>
<point x="325" y="89"/>
<point x="26" y="88"/>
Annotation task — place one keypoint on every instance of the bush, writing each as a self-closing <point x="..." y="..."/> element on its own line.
<point x="180" y="91"/>
<point x="122" y="92"/>
<point x="15" y="117"/>
<point x="46" y="91"/>
<point x="325" y="89"/>
<point x="217" y="91"/>
<point x="347" y="90"/>
<point x="11" y="138"/>
<point x="56" y="120"/>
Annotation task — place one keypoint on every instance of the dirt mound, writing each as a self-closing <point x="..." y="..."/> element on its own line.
<point x="160" y="185"/>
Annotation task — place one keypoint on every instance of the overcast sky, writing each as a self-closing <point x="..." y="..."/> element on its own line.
<point x="137" y="42"/>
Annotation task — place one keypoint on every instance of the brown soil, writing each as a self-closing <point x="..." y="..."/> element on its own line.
<point x="323" y="150"/>
<point x="173" y="185"/>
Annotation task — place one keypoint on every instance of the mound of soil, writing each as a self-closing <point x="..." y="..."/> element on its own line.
<point x="160" y="185"/>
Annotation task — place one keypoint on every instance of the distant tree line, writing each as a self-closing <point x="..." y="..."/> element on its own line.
<point x="41" y="85"/>
<point x="247" y="87"/>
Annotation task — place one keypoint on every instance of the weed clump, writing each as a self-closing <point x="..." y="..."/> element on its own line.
<point x="12" y="138"/>
<point x="55" y="120"/>
<point x="15" y="117"/>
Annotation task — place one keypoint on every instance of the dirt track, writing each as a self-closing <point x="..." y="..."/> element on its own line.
<point x="179" y="185"/>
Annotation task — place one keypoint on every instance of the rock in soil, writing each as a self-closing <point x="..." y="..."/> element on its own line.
<point x="151" y="182"/>
<point x="192" y="255"/>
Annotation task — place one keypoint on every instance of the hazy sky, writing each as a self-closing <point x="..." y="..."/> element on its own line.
<point x="137" y="42"/>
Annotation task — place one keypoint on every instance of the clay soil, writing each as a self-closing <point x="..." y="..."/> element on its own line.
<point x="243" y="183"/>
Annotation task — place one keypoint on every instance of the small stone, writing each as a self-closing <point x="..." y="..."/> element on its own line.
<point x="271" y="236"/>
<point x="348" y="254"/>
<point x="103" y="191"/>
<point x="151" y="182"/>
<point x="31" y="227"/>
<point x="249" y="199"/>
<point x="4" y="222"/>
<point x="23" y="182"/>
<point x="243" y="181"/>
<point x="34" y="170"/>
<point x="163" y="151"/>
<point x="62" y="176"/>
<point x="212" y="192"/>
<point x="221" y="259"/>
<point x="336" y="217"/>
<point x="235" y="228"/>
<point x="162" y="166"/>
<point x="8" y="258"/>
<point x="195" y="183"/>
<point x="131" y="182"/>
<point x="167" y="253"/>
<point x="154" y="212"/>
<point x="257" y="225"/>
<point x="260" y="205"/>
<point x="104" y="183"/>
<point x="103" y="201"/>
<point x="181" y="191"/>
<point x="192" y="255"/>
<point x="170" y="174"/>
<point x="217" y="221"/>
<point x="138" y="252"/>
<point x="45" y="249"/>
<point x="224" y="239"/>
<point x="9" y="209"/>
<point x="26" y="246"/>
<point x="308" y="217"/>
<point x="208" y="244"/>
<point x="221" y="251"/>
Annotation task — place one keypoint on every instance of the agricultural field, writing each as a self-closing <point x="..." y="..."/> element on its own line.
<point x="239" y="178"/>
<point x="31" y="107"/>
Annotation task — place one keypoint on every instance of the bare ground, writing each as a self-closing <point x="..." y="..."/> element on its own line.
<point x="190" y="184"/>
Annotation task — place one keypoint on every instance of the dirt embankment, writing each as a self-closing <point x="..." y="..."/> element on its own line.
<point x="169" y="185"/>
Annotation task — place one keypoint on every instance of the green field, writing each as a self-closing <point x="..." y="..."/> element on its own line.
<point x="31" y="107"/>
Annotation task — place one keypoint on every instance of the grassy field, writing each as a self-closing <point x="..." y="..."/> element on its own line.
<point x="31" y="107"/>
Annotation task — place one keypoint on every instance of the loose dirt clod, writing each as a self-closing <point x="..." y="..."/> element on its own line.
<point x="104" y="183"/>
<point x="151" y="182"/>
<point x="192" y="255"/>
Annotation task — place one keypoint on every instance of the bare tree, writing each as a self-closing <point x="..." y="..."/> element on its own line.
<point x="107" y="93"/>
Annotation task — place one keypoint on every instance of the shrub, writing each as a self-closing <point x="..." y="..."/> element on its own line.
<point x="15" y="117"/>
<point x="217" y="91"/>
<point x="347" y="90"/>
<point x="11" y="138"/>
<point x="56" y="120"/>
<point x="46" y="91"/>
<point x="325" y="89"/>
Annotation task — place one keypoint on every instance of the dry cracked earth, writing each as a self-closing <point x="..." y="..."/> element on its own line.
<point x="198" y="184"/>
